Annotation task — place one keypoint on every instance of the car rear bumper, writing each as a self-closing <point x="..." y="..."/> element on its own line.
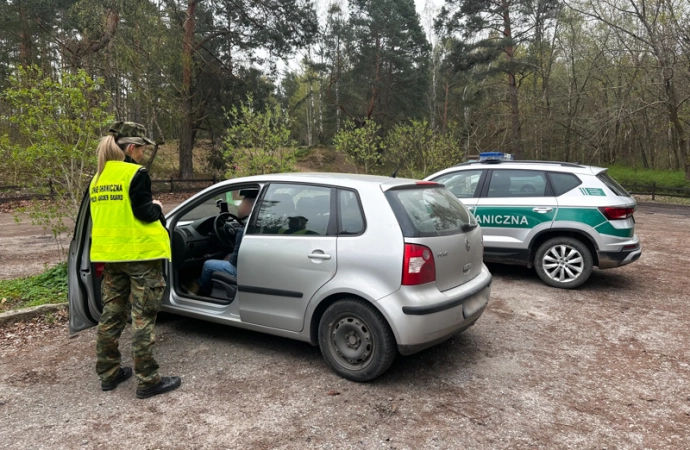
<point x="625" y="254"/>
<point x="422" y="316"/>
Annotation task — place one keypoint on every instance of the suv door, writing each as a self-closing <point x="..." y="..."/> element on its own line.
<point x="515" y="204"/>
<point x="287" y="254"/>
<point x="83" y="288"/>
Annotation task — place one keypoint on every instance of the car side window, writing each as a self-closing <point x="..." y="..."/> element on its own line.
<point x="349" y="214"/>
<point x="517" y="183"/>
<point x="294" y="209"/>
<point x="462" y="184"/>
<point x="563" y="182"/>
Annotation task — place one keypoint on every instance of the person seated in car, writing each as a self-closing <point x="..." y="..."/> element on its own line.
<point x="203" y="285"/>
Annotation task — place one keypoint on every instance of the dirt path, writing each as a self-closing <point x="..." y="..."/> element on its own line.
<point x="605" y="366"/>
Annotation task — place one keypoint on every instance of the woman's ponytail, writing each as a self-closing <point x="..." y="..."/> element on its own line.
<point x="108" y="150"/>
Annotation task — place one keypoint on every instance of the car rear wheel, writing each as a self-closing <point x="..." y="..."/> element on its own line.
<point x="356" y="340"/>
<point x="563" y="262"/>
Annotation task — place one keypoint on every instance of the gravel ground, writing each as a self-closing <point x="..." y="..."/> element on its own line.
<point x="605" y="366"/>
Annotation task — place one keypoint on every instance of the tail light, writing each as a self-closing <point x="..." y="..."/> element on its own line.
<point x="418" y="266"/>
<point x="617" y="213"/>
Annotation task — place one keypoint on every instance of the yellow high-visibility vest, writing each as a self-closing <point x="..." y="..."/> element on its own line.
<point x="116" y="234"/>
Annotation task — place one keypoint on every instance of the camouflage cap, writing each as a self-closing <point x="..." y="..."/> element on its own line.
<point x="130" y="133"/>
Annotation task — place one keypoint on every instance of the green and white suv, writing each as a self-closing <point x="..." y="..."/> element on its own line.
<point x="561" y="218"/>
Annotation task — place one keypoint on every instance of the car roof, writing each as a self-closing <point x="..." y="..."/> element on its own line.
<point x="349" y="180"/>
<point x="557" y="166"/>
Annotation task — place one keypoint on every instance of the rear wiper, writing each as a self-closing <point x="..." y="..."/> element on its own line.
<point x="468" y="227"/>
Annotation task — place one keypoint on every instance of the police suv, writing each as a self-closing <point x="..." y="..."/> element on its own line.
<point x="561" y="218"/>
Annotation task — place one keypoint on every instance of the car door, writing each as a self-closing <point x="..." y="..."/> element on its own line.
<point x="83" y="287"/>
<point x="464" y="184"/>
<point x="515" y="205"/>
<point x="288" y="252"/>
<point x="83" y="281"/>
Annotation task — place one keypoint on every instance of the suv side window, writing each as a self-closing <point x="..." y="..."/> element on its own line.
<point x="297" y="209"/>
<point x="517" y="183"/>
<point x="351" y="220"/>
<point x="462" y="184"/>
<point x="563" y="182"/>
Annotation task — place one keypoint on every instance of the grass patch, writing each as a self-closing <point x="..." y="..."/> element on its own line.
<point x="48" y="287"/>
<point x="666" y="178"/>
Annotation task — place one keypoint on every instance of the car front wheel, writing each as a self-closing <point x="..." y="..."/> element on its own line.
<point x="563" y="262"/>
<point x="356" y="340"/>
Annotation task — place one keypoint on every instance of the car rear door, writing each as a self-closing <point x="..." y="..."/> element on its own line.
<point x="84" y="293"/>
<point x="515" y="205"/>
<point x="287" y="254"/>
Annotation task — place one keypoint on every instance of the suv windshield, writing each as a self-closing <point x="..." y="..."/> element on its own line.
<point x="612" y="184"/>
<point x="431" y="211"/>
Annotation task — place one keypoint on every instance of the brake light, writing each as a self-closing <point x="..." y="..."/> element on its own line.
<point x="427" y="183"/>
<point x="418" y="266"/>
<point x="617" y="213"/>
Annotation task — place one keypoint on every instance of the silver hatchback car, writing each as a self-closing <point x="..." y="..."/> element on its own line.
<point x="364" y="267"/>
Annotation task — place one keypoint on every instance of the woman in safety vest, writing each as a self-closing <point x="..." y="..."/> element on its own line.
<point x="129" y="236"/>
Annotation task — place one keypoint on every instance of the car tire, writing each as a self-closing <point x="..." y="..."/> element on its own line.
<point x="355" y="340"/>
<point x="563" y="262"/>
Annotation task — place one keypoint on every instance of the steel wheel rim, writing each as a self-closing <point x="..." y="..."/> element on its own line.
<point x="563" y="263"/>
<point x="351" y="341"/>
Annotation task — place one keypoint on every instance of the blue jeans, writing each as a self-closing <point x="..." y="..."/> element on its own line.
<point x="214" y="265"/>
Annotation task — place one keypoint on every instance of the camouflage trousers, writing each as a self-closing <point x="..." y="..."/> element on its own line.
<point x="137" y="286"/>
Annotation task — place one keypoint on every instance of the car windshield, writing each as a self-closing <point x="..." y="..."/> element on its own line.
<point x="430" y="211"/>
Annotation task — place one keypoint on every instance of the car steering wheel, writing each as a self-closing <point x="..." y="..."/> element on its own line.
<point x="222" y="231"/>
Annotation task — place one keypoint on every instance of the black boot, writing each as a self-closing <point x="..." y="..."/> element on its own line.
<point x="124" y="374"/>
<point x="167" y="384"/>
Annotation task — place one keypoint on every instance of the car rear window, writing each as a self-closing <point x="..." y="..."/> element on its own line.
<point x="428" y="211"/>
<point x="563" y="182"/>
<point x="612" y="184"/>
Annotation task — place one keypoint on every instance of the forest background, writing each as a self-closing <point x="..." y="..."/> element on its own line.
<point x="252" y="83"/>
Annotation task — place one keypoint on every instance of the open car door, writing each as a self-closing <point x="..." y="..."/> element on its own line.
<point x="84" y="288"/>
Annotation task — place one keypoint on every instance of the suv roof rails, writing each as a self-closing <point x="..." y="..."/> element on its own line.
<point x="498" y="161"/>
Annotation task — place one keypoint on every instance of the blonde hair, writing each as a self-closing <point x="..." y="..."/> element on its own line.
<point x="108" y="150"/>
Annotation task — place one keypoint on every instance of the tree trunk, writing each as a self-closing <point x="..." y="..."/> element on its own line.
<point x="186" y="144"/>
<point x="516" y="133"/>
<point x="681" y="138"/>
<point x="25" y="53"/>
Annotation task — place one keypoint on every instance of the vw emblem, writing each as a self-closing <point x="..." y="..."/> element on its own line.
<point x="467" y="244"/>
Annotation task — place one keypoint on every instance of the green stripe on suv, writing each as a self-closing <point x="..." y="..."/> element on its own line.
<point x="590" y="216"/>
<point x="511" y="216"/>
<point x="594" y="218"/>
<point x="525" y="217"/>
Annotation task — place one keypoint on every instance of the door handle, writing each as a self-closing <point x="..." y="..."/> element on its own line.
<point x="321" y="256"/>
<point x="542" y="209"/>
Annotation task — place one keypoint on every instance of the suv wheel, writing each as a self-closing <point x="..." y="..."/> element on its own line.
<point x="356" y="340"/>
<point x="563" y="262"/>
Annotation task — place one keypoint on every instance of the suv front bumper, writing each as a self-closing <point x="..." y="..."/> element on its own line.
<point x="422" y="316"/>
